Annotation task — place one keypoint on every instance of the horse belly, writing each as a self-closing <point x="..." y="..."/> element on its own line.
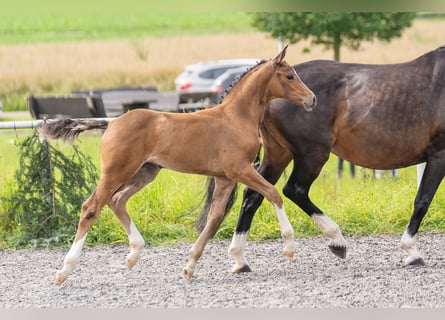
<point x="377" y="152"/>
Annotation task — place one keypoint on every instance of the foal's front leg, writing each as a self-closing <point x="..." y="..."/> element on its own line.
<point x="223" y="189"/>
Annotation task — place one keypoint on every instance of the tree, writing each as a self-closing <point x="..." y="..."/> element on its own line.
<point x="333" y="29"/>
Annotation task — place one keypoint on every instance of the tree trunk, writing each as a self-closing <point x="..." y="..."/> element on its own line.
<point x="336" y="45"/>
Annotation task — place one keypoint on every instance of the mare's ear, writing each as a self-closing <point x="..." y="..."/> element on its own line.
<point x="280" y="57"/>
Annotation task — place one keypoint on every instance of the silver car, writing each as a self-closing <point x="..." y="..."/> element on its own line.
<point x="195" y="82"/>
<point x="223" y="83"/>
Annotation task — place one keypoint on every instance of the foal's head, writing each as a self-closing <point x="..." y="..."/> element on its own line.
<point x="285" y="83"/>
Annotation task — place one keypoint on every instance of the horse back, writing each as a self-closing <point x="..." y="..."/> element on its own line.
<point x="391" y="111"/>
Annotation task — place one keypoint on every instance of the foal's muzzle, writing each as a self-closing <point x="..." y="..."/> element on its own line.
<point x="309" y="103"/>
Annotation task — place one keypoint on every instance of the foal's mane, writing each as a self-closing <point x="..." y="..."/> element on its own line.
<point x="237" y="80"/>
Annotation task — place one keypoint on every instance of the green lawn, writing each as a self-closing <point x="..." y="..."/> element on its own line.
<point x="165" y="211"/>
<point x="53" y="27"/>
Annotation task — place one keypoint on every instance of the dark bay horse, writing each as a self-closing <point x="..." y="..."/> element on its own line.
<point x="377" y="116"/>
<point x="220" y="142"/>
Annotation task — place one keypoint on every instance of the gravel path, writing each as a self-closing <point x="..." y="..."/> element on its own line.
<point x="371" y="276"/>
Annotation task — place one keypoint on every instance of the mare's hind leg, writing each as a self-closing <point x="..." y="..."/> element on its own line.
<point x="432" y="177"/>
<point x="146" y="174"/>
<point x="223" y="189"/>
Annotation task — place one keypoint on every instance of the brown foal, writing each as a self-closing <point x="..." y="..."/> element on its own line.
<point x="220" y="142"/>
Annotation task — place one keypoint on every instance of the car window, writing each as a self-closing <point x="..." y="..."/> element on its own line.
<point x="212" y="73"/>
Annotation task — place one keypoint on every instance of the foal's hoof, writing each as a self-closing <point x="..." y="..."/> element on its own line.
<point x="338" y="251"/>
<point x="414" y="261"/>
<point x="244" y="268"/>
<point x="188" y="273"/>
<point x="131" y="263"/>
<point x="60" y="278"/>
<point x="289" y="255"/>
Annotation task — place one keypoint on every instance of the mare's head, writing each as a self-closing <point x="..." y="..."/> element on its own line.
<point x="285" y="83"/>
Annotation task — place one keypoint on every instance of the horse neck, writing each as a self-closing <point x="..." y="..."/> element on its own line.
<point x="248" y="98"/>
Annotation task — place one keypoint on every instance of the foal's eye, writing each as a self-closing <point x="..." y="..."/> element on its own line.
<point x="289" y="76"/>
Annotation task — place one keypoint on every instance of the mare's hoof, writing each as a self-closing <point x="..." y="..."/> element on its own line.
<point x="414" y="262"/>
<point x="338" y="251"/>
<point x="60" y="278"/>
<point x="244" y="268"/>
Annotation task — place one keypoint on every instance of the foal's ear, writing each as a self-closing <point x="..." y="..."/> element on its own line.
<point x="280" y="57"/>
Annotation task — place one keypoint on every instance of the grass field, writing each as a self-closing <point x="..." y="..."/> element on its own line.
<point x="165" y="211"/>
<point x="78" y="26"/>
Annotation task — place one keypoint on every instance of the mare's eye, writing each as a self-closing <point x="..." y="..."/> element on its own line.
<point x="289" y="76"/>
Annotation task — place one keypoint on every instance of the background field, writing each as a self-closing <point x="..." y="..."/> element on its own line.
<point x="42" y="62"/>
<point x="61" y="67"/>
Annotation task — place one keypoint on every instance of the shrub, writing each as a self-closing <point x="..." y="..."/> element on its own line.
<point x="48" y="193"/>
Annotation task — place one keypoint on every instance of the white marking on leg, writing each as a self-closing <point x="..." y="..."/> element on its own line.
<point x="408" y="244"/>
<point x="236" y="250"/>
<point x="189" y="269"/>
<point x="330" y="229"/>
<point x="71" y="259"/>
<point x="137" y="243"/>
<point x="287" y="232"/>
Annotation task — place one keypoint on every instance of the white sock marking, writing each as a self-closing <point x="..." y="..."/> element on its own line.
<point x="135" y="238"/>
<point x="73" y="255"/>
<point x="236" y="249"/>
<point x="330" y="229"/>
<point x="136" y="245"/>
<point x="287" y="231"/>
<point x="408" y="244"/>
<point x="71" y="259"/>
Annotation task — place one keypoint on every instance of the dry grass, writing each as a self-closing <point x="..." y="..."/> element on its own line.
<point x="62" y="67"/>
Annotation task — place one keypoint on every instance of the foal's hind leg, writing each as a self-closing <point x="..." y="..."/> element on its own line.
<point x="146" y="174"/>
<point x="223" y="189"/>
<point x="90" y="212"/>
<point x="110" y="181"/>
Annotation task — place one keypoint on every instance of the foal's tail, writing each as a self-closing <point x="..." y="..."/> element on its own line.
<point x="69" y="129"/>
<point x="202" y="218"/>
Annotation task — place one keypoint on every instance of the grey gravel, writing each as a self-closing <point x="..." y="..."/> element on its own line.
<point x="371" y="276"/>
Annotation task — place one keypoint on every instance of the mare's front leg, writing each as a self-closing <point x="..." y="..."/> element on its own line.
<point x="271" y="169"/>
<point x="221" y="194"/>
<point x="306" y="170"/>
<point x="253" y="180"/>
<point x="432" y="177"/>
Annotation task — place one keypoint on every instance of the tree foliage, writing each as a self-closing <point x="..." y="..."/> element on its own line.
<point x="333" y="29"/>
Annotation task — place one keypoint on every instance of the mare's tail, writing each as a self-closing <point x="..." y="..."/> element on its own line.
<point x="202" y="218"/>
<point x="69" y="129"/>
